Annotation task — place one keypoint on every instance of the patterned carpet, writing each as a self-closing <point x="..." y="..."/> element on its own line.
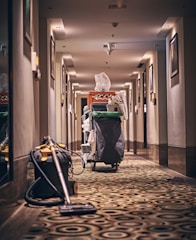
<point x="141" y="201"/>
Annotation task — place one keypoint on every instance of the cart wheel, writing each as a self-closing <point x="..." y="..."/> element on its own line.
<point x="115" y="166"/>
<point x="93" y="166"/>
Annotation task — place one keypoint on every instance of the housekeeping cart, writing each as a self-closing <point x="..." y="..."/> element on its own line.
<point x="106" y="141"/>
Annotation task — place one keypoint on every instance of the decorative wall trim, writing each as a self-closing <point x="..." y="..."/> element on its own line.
<point x="155" y="153"/>
<point x="182" y="160"/>
<point x="191" y="161"/>
<point x="177" y="159"/>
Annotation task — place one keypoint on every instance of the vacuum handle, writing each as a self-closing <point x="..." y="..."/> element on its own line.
<point x="59" y="170"/>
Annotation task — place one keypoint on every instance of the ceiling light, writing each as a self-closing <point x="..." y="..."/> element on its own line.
<point x="67" y="56"/>
<point x="118" y="5"/>
<point x="127" y="84"/>
<point x="109" y="47"/>
<point x="74" y="85"/>
<point x="72" y="72"/>
<point x="115" y="24"/>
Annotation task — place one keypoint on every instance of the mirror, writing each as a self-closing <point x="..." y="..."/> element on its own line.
<point x="5" y="160"/>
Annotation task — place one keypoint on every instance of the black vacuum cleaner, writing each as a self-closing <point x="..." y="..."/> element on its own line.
<point x="67" y="208"/>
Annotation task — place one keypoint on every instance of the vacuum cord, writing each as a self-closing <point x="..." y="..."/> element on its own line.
<point x="72" y="167"/>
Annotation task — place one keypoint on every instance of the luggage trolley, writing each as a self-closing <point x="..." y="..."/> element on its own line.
<point x="108" y="145"/>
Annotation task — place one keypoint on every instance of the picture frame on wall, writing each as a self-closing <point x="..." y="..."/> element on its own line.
<point x="63" y="78"/>
<point x="27" y="21"/>
<point x="173" y="50"/>
<point x="138" y="88"/>
<point x="130" y="100"/>
<point x="52" y="58"/>
<point x="151" y="80"/>
<point x="62" y="85"/>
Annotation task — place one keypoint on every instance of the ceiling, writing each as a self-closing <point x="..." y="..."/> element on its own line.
<point x="85" y="28"/>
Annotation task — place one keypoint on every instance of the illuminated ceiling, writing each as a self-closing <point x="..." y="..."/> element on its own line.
<point x="110" y="36"/>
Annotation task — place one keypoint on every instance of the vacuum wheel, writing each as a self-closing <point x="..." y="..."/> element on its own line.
<point x="73" y="187"/>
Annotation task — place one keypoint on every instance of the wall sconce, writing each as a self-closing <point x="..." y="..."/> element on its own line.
<point x="136" y="109"/>
<point x="62" y="99"/>
<point x="109" y="47"/>
<point x="35" y="65"/>
<point x="153" y="98"/>
<point x="3" y="49"/>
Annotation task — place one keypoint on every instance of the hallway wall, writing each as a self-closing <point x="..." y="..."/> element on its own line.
<point x="190" y="83"/>
<point x="176" y="94"/>
<point x="47" y="83"/>
<point x="181" y="97"/>
<point x="23" y="107"/>
<point x="156" y="110"/>
<point x="22" y="87"/>
<point x="23" y="102"/>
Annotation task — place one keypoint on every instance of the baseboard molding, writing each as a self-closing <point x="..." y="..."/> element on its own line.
<point x="182" y="160"/>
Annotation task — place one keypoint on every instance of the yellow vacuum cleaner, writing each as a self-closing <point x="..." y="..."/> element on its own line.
<point x="52" y="150"/>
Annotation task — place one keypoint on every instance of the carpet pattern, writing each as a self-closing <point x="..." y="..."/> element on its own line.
<point x="141" y="201"/>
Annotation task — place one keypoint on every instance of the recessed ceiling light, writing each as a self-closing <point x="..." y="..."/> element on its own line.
<point x="117" y="6"/>
<point x="115" y="24"/>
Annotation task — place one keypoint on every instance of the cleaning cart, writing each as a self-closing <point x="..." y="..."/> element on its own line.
<point x="105" y="138"/>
